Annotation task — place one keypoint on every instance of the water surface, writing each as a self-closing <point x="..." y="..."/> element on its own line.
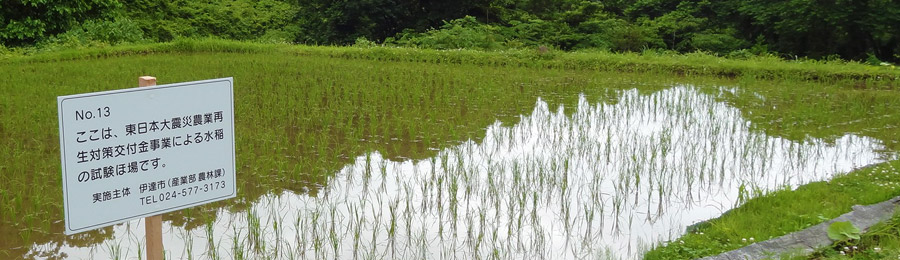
<point x="599" y="180"/>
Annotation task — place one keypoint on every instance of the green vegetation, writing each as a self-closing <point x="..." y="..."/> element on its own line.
<point x="879" y="242"/>
<point x="310" y="110"/>
<point x="304" y="117"/>
<point x="26" y="22"/>
<point x="800" y="112"/>
<point x="692" y="64"/>
<point x="786" y="211"/>
<point x="422" y="76"/>
<point x="831" y="30"/>
<point x="842" y="231"/>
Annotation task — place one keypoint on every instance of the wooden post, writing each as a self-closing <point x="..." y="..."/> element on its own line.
<point x="146" y="81"/>
<point x="152" y="224"/>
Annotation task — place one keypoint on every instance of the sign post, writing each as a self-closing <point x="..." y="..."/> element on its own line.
<point x="141" y="152"/>
<point x="152" y="224"/>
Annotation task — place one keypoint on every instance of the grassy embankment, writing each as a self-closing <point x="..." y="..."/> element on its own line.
<point x="693" y="64"/>
<point x="308" y="109"/>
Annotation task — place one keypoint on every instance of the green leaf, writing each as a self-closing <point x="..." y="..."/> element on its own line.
<point x="843" y="230"/>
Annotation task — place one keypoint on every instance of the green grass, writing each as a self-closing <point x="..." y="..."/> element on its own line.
<point x="781" y="212"/>
<point x="692" y="64"/>
<point x="304" y="112"/>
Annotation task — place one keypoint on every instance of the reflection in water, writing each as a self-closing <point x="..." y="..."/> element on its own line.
<point x="606" y="181"/>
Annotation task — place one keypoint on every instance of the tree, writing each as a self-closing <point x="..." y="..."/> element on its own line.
<point x="850" y="28"/>
<point x="164" y="20"/>
<point x="25" y="22"/>
<point x="341" y="22"/>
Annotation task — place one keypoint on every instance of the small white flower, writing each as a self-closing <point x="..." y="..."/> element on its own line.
<point x="744" y="240"/>
<point x="842" y="252"/>
<point x="846" y="249"/>
<point x="751" y="239"/>
<point x="877" y="249"/>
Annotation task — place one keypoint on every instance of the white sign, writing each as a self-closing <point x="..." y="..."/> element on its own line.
<point x="145" y="151"/>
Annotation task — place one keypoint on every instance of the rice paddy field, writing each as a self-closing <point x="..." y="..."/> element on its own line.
<point x="405" y="154"/>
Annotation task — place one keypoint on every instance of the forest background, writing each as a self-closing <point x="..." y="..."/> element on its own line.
<point x="860" y="30"/>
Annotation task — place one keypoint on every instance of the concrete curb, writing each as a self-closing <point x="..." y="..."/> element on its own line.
<point x="806" y="241"/>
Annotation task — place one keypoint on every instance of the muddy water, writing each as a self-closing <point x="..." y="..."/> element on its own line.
<point x="599" y="180"/>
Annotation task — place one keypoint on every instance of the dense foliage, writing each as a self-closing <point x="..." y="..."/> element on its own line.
<point x="27" y="21"/>
<point x="827" y="29"/>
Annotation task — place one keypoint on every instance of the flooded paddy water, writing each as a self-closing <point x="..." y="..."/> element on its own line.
<point x="603" y="179"/>
<point x="363" y="159"/>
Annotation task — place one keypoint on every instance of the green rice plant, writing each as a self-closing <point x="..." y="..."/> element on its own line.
<point x="211" y="250"/>
<point x="189" y="246"/>
<point x="308" y="112"/>
<point x="255" y="231"/>
<point x="115" y="251"/>
<point x="237" y="247"/>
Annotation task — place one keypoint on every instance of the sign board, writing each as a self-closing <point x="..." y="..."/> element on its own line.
<point x="145" y="151"/>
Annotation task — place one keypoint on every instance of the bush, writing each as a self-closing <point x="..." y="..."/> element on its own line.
<point x="742" y="54"/>
<point x="280" y="35"/>
<point x="625" y="36"/>
<point x="462" y="33"/>
<point x="872" y="59"/>
<point x="98" y="32"/>
<point x="716" y="42"/>
<point x="535" y="32"/>
<point x="269" y="20"/>
<point x="362" y="42"/>
<point x="25" y="23"/>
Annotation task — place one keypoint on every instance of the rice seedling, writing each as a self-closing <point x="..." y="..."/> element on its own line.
<point x="345" y="157"/>
<point x="567" y="210"/>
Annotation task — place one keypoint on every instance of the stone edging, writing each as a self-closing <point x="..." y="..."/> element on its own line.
<point x="806" y="241"/>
